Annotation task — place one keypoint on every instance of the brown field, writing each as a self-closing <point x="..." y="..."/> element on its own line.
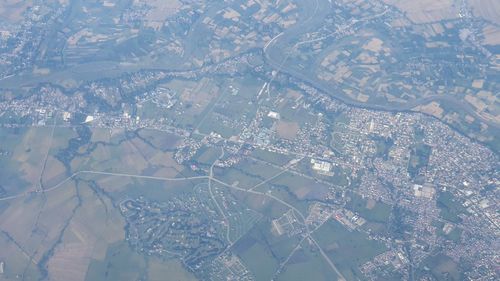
<point x="160" y="11"/>
<point x="432" y="108"/>
<point x="362" y="97"/>
<point x="294" y="94"/>
<point x="31" y="151"/>
<point x="124" y="158"/>
<point x="12" y="10"/>
<point x="370" y="204"/>
<point x="18" y="222"/>
<point x="287" y="130"/>
<point x="491" y="35"/>
<point x="37" y="233"/>
<point x="199" y="96"/>
<point x="374" y="45"/>
<point x="426" y="11"/>
<point x="302" y="192"/>
<point x="70" y="262"/>
<point x="476" y="102"/>
<point x="94" y="226"/>
<point x="487" y="9"/>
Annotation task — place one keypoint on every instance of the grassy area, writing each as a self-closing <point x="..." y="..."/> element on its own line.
<point x="266" y="206"/>
<point x="348" y="250"/>
<point x="301" y="187"/>
<point x="35" y="222"/>
<point x="15" y="261"/>
<point x="120" y="188"/>
<point x="158" y="270"/>
<point x="419" y="158"/>
<point x="307" y="264"/>
<point x="371" y="210"/>
<point x="450" y="207"/>
<point x="454" y="235"/>
<point x="441" y="267"/>
<point x="257" y="258"/>
<point x="241" y="218"/>
<point x="24" y="154"/>
<point x="271" y="157"/>
<point x="207" y="155"/>
<point x="383" y="146"/>
<point x="233" y="175"/>
<point x="262" y="251"/>
<point x="159" y="139"/>
<point x="212" y="124"/>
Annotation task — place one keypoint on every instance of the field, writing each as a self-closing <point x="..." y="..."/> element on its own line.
<point x="261" y="251"/>
<point x="36" y="226"/>
<point x="66" y="232"/>
<point x="120" y="263"/>
<point x="426" y="11"/>
<point x="348" y="250"/>
<point x="450" y="208"/>
<point x="94" y="225"/>
<point x="271" y="157"/>
<point x="442" y="267"/>
<point x="12" y="10"/>
<point x="76" y="232"/>
<point x="174" y="178"/>
<point x="370" y="210"/>
<point x="257" y="258"/>
<point x="30" y="158"/>
<point x="300" y="187"/>
<point x="158" y="270"/>
<point x="16" y="260"/>
<point x="287" y="130"/>
<point x="307" y="264"/>
<point x="160" y="10"/>
<point x="419" y="158"/>
<point x="487" y="9"/>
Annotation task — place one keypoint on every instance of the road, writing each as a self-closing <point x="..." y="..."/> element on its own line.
<point x="210" y="178"/>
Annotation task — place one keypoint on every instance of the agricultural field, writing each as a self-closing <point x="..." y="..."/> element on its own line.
<point x="348" y="250"/>
<point x="249" y="140"/>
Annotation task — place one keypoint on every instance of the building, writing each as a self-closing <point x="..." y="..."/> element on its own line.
<point x="274" y="115"/>
<point x="425" y="191"/>
<point x="322" y="167"/>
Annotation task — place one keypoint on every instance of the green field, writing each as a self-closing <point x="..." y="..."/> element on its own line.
<point x="450" y="207"/>
<point x="262" y="251"/>
<point x="347" y="250"/>
<point x="307" y="264"/>
<point x="442" y="267"/>
<point x="271" y="157"/>
<point x="377" y="212"/>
